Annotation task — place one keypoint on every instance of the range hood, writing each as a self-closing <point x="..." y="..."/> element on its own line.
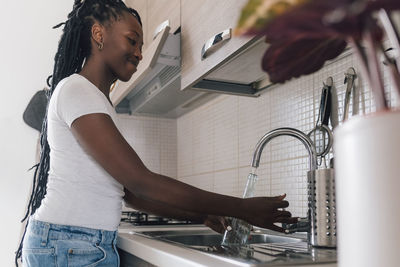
<point x="240" y="74"/>
<point x="155" y="88"/>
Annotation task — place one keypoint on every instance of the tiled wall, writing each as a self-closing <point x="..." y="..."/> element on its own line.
<point x="212" y="146"/>
<point x="215" y="142"/>
<point x="154" y="140"/>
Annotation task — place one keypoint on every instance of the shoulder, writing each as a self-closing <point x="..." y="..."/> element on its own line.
<point x="75" y="96"/>
<point x="75" y="82"/>
<point x="77" y="89"/>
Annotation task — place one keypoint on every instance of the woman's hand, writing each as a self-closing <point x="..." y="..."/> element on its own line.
<point x="217" y="223"/>
<point x="265" y="211"/>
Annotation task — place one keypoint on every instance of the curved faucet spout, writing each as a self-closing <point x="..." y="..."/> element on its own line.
<point x="289" y="132"/>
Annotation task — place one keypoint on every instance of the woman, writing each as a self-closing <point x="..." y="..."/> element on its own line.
<point x="87" y="168"/>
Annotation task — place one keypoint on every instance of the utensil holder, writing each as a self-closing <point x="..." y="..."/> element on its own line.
<point x="322" y="207"/>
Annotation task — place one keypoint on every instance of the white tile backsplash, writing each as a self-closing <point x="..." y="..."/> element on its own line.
<point x="154" y="140"/>
<point x="226" y="134"/>
<point x="212" y="146"/>
<point x="220" y="185"/>
<point x="216" y="141"/>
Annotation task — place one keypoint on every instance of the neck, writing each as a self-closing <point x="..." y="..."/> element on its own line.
<point x="97" y="73"/>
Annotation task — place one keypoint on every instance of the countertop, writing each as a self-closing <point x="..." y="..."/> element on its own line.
<point x="161" y="253"/>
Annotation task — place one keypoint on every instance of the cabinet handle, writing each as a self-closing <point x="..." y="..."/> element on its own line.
<point x="214" y="42"/>
<point x="160" y="28"/>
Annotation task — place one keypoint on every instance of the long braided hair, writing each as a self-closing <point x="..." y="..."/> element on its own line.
<point x="73" y="49"/>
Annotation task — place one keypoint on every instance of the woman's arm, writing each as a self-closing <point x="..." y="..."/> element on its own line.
<point x="216" y="223"/>
<point x="100" y="138"/>
<point x="159" y="209"/>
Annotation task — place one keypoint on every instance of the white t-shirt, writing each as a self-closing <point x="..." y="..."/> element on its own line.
<point x="79" y="191"/>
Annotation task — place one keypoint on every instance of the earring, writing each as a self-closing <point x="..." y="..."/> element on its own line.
<point x="113" y="86"/>
<point x="100" y="46"/>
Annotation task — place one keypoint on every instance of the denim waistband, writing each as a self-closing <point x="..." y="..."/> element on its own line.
<point x="50" y="231"/>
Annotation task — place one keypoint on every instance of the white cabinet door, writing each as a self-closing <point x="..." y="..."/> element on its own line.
<point x="200" y="21"/>
<point x="159" y="11"/>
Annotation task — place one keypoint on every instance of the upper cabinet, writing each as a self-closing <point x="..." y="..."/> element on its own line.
<point x="189" y="45"/>
<point x="159" y="12"/>
<point x="206" y="27"/>
<point x="153" y="14"/>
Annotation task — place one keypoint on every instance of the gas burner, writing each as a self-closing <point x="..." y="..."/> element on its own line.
<point x="142" y="218"/>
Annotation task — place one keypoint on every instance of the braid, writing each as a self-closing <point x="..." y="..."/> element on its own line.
<point x="74" y="47"/>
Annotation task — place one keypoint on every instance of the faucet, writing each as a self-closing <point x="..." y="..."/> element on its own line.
<point x="290" y="132"/>
<point x="304" y="224"/>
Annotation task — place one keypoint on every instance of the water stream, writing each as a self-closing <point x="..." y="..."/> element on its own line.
<point x="240" y="229"/>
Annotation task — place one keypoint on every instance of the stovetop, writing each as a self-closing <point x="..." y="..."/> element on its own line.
<point x="138" y="218"/>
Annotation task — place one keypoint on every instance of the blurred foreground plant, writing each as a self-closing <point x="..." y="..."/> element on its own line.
<point x="304" y="34"/>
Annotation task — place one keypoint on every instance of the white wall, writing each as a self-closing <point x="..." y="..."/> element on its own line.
<point x="28" y="44"/>
<point x="27" y="47"/>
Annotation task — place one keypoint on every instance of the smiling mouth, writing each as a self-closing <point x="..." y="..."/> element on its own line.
<point x="133" y="62"/>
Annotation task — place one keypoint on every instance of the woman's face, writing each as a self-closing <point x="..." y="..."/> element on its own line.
<point x="122" y="51"/>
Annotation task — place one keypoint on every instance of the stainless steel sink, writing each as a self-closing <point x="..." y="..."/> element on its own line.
<point x="265" y="247"/>
<point x="211" y="239"/>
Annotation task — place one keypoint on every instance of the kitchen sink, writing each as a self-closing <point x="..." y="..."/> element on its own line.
<point x="213" y="239"/>
<point x="265" y="247"/>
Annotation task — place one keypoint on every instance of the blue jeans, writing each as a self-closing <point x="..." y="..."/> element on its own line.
<point x="47" y="244"/>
